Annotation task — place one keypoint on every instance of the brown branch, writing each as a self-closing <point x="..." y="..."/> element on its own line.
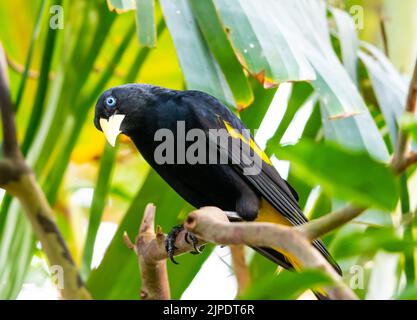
<point x="154" y="274"/>
<point x="34" y="74"/>
<point x="150" y="249"/>
<point x="18" y="68"/>
<point x="409" y="161"/>
<point x="319" y="227"/>
<point x="240" y="268"/>
<point x="10" y="143"/>
<point x="404" y="141"/>
<point x="18" y="180"/>
<point x="213" y="225"/>
<point x="384" y="35"/>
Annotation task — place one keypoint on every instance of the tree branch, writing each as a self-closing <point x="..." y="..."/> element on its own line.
<point x="319" y="227"/>
<point x="10" y="143"/>
<point x="154" y="274"/>
<point x="410" y="160"/>
<point x="240" y="268"/>
<point x="150" y="249"/>
<point x="213" y="225"/>
<point x="404" y="140"/>
<point x="18" y="180"/>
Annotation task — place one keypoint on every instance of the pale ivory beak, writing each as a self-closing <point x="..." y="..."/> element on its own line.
<point x="111" y="127"/>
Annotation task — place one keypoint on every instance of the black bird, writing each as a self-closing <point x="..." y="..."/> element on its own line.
<point x="140" y="111"/>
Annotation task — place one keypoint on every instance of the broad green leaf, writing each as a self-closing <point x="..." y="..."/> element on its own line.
<point x="349" y="42"/>
<point x="252" y="117"/>
<point x="77" y="116"/>
<point x="299" y="95"/>
<point x="311" y="131"/>
<point x="286" y="286"/>
<point x="98" y="204"/>
<point x="369" y="242"/>
<point x="211" y="27"/>
<point x="117" y="277"/>
<point x="344" y="174"/>
<point x="33" y="40"/>
<point x="408" y="232"/>
<point x="201" y="71"/>
<point x="145" y="22"/>
<point x="345" y="115"/>
<point x="43" y="83"/>
<point x="390" y="90"/>
<point x="260" y="266"/>
<point x="408" y="294"/>
<point x="321" y="207"/>
<point x="251" y="25"/>
<point x="15" y="253"/>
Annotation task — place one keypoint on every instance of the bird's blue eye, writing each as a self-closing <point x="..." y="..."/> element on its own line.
<point x="111" y="101"/>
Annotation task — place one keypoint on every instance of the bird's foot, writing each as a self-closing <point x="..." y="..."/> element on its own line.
<point x="172" y="237"/>
<point x="190" y="238"/>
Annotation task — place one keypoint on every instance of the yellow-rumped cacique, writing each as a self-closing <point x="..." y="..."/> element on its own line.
<point x="140" y="111"/>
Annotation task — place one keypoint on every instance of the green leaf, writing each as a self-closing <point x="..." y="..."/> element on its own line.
<point x="369" y="242"/>
<point x="322" y="206"/>
<point x="98" y="204"/>
<point x="344" y="174"/>
<point x="251" y="24"/>
<point x="349" y="42"/>
<point x="201" y="71"/>
<point x="252" y="117"/>
<point x="212" y="29"/>
<point x="38" y="105"/>
<point x="345" y="116"/>
<point x="145" y="22"/>
<point x="311" y="131"/>
<point x="33" y="40"/>
<point x="390" y="90"/>
<point x="408" y="294"/>
<point x="286" y="286"/>
<point x="299" y="95"/>
<point x="358" y="132"/>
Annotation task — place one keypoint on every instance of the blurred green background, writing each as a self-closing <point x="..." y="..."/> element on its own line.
<point x="243" y="52"/>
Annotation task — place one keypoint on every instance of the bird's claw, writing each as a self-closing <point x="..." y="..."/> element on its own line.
<point x="192" y="239"/>
<point x="170" y="242"/>
<point x="189" y="238"/>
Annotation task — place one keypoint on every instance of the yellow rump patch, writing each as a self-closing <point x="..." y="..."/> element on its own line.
<point x="252" y="144"/>
<point x="267" y="213"/>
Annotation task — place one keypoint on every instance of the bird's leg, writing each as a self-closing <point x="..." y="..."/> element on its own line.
<point x="172" y="237"/>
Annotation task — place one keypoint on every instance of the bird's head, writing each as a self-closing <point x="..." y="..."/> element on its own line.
<point x="118" y="109"/>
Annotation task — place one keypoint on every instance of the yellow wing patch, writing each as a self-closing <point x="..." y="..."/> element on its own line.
<point x="252" y="144"/>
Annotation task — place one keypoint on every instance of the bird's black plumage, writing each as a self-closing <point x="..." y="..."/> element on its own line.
<point x="147" y="109"/>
